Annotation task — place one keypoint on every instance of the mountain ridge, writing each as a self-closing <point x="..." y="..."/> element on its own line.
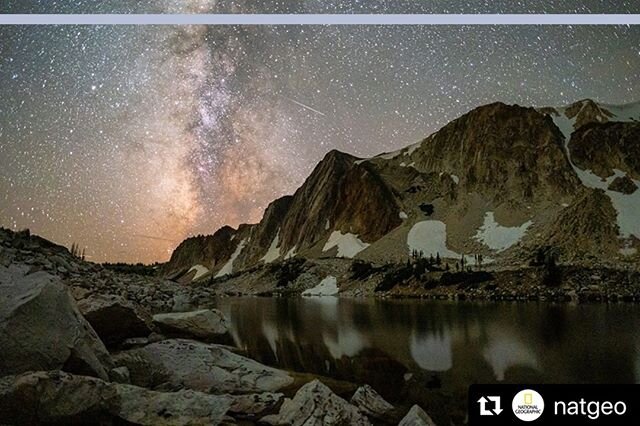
<point x="474" y="184"/>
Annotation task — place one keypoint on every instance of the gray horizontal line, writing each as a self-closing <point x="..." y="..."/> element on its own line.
<point x="319" y="19"/>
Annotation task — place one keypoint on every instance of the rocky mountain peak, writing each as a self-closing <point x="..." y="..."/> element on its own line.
<point x="341" y="194"/>
<point x="500" y="150"/>
<point x="206" y="250"/>
<point x="587" y="111"/>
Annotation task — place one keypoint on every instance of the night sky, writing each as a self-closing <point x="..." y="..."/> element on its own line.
<point x="128" y="139"/>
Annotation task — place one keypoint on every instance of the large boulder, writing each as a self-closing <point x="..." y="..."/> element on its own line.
<point x="254" y="406"/>
<point x="42" y="329"/>
<point x="206" y="324"/>
<point x="316" y="404"/>
<point x="185" y="407"/>
<point x="371" y="403"/>
<point x="47" y="397"/>
<point x="179" y="363"/>
<point x="114" y="318"/>
<point x="416" y="417"/>
<point x="54" y="397"/>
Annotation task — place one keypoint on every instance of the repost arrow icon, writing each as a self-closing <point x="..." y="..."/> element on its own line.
<point x="497" y="408"/>
<point x="483" y="407"/>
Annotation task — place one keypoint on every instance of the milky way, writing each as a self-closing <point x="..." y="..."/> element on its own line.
<point x="128" y="139"/>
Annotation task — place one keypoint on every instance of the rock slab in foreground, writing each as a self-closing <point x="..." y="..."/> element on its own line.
<point x="315" y="405"/>
<point x="114" y="318"/>
<point x="205" y="324"/>
<point x="371" y="403"/>
<point x="180" y="363"/>
<point x="46" y="397"/>
<point x="42" y="329"/>
<point x="416" y="417"/>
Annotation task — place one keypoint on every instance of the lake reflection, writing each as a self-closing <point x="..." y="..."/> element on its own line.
<point x="418" y="351"/>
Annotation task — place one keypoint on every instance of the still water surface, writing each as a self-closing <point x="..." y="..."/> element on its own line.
<point x="429" y="352"/>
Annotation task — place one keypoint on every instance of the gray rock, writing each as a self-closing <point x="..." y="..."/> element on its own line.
<point x="180" y="363"/>
<point x="60" y="262"/>
<point x="181" y="302"/>
<point x="79" y="293"/>
<point x="120" y="375"/>
<point x="315" y="404"/>
<point x="134" y="342"/>
<point x="47" y="397"/>
<point x="54" y="397"/>
<point x="156" y="337"/>
<point x="371" y="403"/>
<point x="185" y="407"/>
<point x="6" y="256"/>
<point x="207" y="324"/>
<point x="42" y="329"/>
<point x="416" y="417"/>
<point x="255" y="405"/>
<point x="114" y="318"/>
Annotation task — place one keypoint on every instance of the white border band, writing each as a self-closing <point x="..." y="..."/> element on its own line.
<point x="319" y="19"/>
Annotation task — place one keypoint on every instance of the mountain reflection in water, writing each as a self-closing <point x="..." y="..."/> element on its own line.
<point x="430" y="352"/>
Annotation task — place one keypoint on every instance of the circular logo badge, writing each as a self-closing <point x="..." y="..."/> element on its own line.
<point x="527" y="405"/>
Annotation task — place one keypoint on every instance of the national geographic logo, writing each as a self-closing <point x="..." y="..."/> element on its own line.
<point x="527" y="405"/>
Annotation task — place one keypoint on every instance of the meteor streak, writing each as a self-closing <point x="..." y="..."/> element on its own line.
<point x="307" y="107"/>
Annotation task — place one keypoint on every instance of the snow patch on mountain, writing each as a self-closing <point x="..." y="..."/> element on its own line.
<point x="624" y="204"/>
<point x="201" y="270"/>
<point x="327" y="287"/>
<point x="565" y="124"/>
<point x="291" y="253"/>
<point x="348" y="244"/>
<point x="227" y="269"/>
<point x="498" y="237"/>
<point x="430" y="238"/>
<point x="274" y="251"/>
<point x="455" y="178"/>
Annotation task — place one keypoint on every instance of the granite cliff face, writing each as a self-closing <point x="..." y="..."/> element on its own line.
<point x="502" y="152"/>
<point x="501" y="181"/>
<point x="341" y="195"/>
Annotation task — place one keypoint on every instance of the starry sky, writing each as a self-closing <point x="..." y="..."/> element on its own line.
<point x="127" y="139"/>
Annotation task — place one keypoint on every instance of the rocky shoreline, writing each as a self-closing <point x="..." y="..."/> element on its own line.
<point x="570" y="283"/>
<point x="86" y="344"/>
